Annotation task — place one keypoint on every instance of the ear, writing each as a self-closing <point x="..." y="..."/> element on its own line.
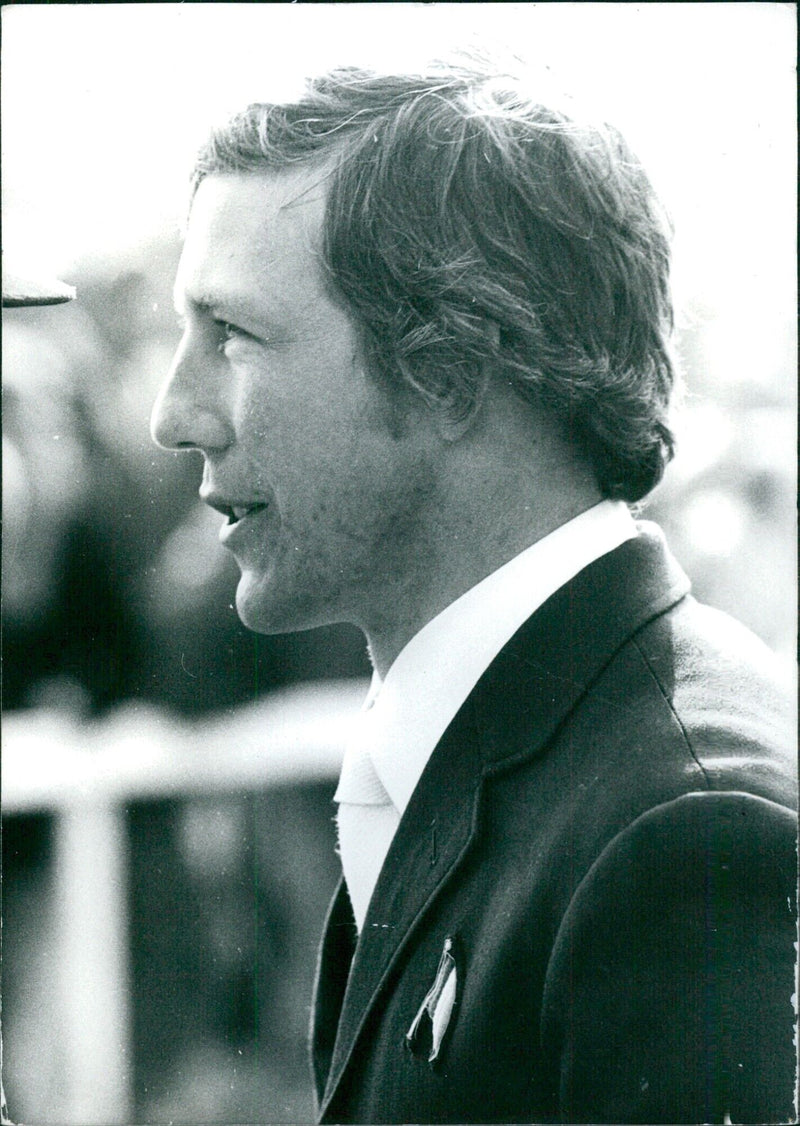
<point x="453" y="418"/>
<point x="456" y="393"/>
<point x="458" y="409"/>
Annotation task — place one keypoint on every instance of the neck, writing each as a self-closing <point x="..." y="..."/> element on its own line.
<point x="504" y="480"/>
<point x="462" y="557"/>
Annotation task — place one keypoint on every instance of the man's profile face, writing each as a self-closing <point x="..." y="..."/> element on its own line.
<point x="321" y="497"/>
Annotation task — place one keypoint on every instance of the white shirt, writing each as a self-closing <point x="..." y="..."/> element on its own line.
<point x="405" y="715"/>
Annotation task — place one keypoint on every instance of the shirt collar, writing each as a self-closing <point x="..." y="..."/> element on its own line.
<point x="410" y="710"/>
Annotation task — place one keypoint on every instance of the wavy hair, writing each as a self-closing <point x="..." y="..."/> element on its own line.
<point x="476" y="234"/>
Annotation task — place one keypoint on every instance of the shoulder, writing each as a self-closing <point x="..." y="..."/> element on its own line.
<point x="622" y="695"/>
<point x="691" y="701"/>
<point x="727" y="696"/>
<point x="688" y="705"/>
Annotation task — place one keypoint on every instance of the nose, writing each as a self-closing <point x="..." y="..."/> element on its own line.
<point x="188" y="412"/>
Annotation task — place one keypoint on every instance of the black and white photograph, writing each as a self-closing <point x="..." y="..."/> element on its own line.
<point x="399" y="585"/>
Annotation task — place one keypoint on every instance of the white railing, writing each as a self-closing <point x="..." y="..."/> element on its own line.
<point x="84" y="775"/>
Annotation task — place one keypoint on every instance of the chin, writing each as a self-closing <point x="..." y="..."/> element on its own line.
<point x="256" y="608"/>
<point x="264" y="608"/>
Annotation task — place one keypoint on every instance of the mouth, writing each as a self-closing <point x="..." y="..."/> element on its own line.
<point x="234" y="513"/>
<point x="237" y="512"/>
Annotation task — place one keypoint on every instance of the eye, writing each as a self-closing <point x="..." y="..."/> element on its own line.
<point x="229" y="331"/>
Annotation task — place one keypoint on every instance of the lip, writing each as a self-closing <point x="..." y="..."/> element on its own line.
<point x="238" y="513"/>
<point x="237" y="527"/>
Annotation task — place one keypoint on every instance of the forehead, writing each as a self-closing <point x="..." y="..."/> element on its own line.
<point x="248" y="231"/>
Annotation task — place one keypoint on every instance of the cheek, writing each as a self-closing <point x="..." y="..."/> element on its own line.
<point x="338" y="497"/>
<point x="325" y="441"/>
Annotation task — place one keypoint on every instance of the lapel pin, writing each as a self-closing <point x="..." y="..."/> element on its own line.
<point x="429" y="1026"/>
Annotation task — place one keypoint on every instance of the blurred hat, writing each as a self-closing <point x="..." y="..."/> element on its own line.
<point x="25" y="289"/>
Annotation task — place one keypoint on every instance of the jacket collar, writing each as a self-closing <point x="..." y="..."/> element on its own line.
<point x="527" y="691"/>
<point x="541" y="674"/>
<point x="437" y="669"/>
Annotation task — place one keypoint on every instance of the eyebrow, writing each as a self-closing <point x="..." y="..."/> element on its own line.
<point x="217" y="305"/>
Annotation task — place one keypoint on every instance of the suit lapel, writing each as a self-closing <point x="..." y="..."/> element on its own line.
<point x="511" y="714"/>
<point x="431" y="839"/>
<point x="333" y="967"/>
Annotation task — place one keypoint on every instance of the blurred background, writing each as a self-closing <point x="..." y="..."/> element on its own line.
<point x="167" y="776"/>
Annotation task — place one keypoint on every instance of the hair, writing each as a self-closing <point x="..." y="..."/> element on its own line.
<point x="476" y="234"/>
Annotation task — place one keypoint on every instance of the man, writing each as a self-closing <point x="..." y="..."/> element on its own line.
<point x="426" y="358"/>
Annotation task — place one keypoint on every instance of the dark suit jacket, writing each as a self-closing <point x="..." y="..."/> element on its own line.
<point x="604" y="834"/>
